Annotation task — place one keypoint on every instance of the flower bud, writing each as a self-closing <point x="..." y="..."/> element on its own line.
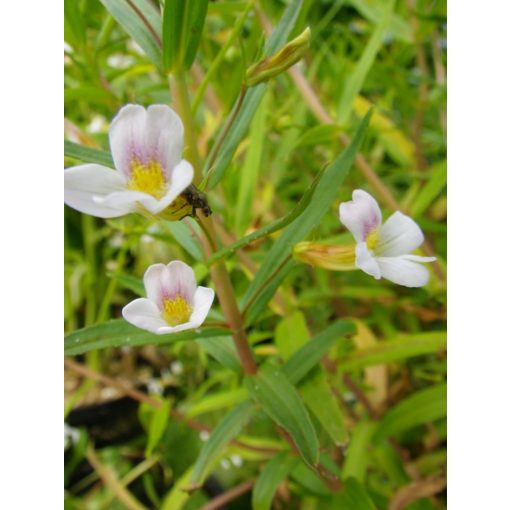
<point x="271" y="66"/>
<point x="335" y="257"/>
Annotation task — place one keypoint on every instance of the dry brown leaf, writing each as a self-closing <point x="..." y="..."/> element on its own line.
<point x="416" y="490"/>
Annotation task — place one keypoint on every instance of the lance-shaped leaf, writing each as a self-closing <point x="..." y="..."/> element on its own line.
<point x="228" y="428"/>
<point x="281" y="401"/>
<point x="141" y="21"/>
<point x="421" y="407"/>
<point x="274" y="472"/>
<point x="119" y="333"/>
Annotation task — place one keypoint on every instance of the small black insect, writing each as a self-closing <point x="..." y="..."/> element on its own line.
<point x="196" y="199"/>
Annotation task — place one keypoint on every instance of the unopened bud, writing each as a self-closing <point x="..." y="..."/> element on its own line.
<point x="335" y="257"/>
<point x="271" y="66"/>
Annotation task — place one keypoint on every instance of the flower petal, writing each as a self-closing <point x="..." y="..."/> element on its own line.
<point x="182" y="176"/>
<point x="399" y="235"/>
<point x="127" y="137"/>
<point x="165" y="330"/>
<point x="181" y="281"/>
<point x="86" y="186"/>
<point x="156" y="277"/>
<point x="202" y="302"/>
<point x="143" y="313"/>
<point x="164" y="135"/>
<point x="361" y="216"/>
<point x="405" y="270"/>
<point x="366" y="261"/>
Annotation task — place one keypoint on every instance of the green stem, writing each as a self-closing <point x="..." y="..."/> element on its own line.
<point x="219" y="272"/>
<point x="180" y="95"/>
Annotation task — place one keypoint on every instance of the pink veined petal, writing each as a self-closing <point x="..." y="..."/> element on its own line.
<point x="156" y="277"/>
<point x="181" y="281"/>
<point x="164" y="137"/>
<point x="202" y="302"/>
<point x="404" y="270"/>
<point x="87" y="186"/>
<point x="366" y="261"/>
<point x="399" y="235"/>
<point x="127" y="137"/>
<point x="361" y="215"/>
<point x="143" y="313"/>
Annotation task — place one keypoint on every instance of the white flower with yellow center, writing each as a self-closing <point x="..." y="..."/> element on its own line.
<point x="173" y="303"/>
<point x="383" y="250"/>
<point x="146" y="146"/>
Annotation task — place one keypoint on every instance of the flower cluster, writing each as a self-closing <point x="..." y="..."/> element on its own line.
<point x="150" y="175"/>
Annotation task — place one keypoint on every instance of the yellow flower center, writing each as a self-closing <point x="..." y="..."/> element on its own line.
<point x="372" y="239"/>
<point x="176" y="311"/>
<point x="148" y="178"/>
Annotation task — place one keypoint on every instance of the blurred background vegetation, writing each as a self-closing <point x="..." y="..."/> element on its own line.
<point x="124" y="448"/>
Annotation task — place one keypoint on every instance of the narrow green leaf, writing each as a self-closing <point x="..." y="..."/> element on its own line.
<point x="185" y="238"/>
<point x="325" y="193"/>
<point x="157" y="426"/>
<point x="222" y="350"/>
<point x="373" y="11"/>
<point x="357" y="454"/>
<point x="250" y="171"/>
<point x="270" y="228"/>
<point x="281" y="401"/>
<point x="304" y="359"/>
<point x="217" y="401"/>
<point x="174" y="13"/>
<point x="292" y="339"/>
<point x="118" y="333"/>
<point x="228" y="428"/>
<point x="419" y="408"/>
<point x="143" y="32"/>
<point x="357" y="77"/>
<point x="195" y="19"/>
<point x="237" y="130"/>
<point x="431" y="190"/>
<point x="259" y="304"/>
<point x="391" y="350"/>
<point x="87" y="154"/>
<point x="74" y="18"/>
<point x="271" y="476"/>
<point x="353" y="497"/>
<point x="130" y="282"/>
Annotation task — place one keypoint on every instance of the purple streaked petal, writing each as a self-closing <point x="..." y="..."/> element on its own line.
<point x="361" y="216"/>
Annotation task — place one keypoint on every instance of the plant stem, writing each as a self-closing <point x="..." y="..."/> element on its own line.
<point x="219" y="272"/>
<point x="180" y="95"/>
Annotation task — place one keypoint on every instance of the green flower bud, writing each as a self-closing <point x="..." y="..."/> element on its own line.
<point x="271" y="66"/>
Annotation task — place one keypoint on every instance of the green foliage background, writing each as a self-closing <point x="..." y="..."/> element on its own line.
<point x="371" y="401"/>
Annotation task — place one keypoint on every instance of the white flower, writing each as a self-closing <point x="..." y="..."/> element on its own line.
<point x="149" y="173"/>
<point x="383" y="250"/>
<point x="174" y="302"/>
